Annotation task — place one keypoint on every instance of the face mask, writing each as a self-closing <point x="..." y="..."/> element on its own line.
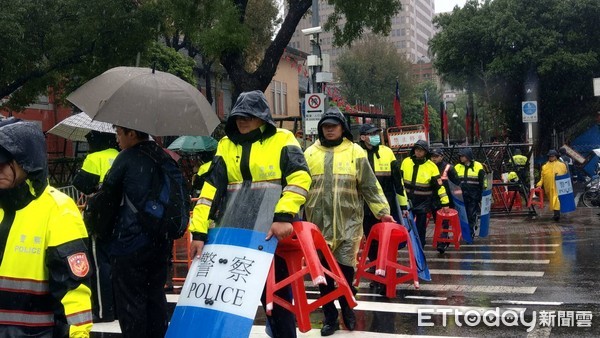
<point x="375" y="140"/>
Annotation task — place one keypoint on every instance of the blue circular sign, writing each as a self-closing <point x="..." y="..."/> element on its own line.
<point x="529" y="108"/>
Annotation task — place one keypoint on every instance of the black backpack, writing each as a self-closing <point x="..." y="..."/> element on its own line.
<point x="166" y="210"/>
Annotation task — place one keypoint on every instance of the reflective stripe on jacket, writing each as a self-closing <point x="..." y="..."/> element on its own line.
<point x="44" y="275"/>
<point x="472" y="178"/>
<point x="421" y="181"/>
<point x="277" y="159"/>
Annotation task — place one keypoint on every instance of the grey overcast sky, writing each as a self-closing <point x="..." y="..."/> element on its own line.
<point x="447" y="5"/>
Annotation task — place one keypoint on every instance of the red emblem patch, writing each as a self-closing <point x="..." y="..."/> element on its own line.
<point x="79" y="265"/>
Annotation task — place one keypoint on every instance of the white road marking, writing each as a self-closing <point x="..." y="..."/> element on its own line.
<point x="452" y="251"/>
<point x="497" y="261"/>
<point x="525" y="302"/>
<point x="496" y="273"/>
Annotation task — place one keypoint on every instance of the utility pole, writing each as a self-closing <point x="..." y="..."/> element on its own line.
<point x="316" y="48"/>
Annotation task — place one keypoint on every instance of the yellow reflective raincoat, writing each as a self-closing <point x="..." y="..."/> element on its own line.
<point x="550" y="170"/>
<point x="44" y="265"/>
<point x="265" y="165"/>
<point x="342" y="181"/>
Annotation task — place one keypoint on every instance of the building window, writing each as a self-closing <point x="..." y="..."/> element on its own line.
<point x="279" y="97"/>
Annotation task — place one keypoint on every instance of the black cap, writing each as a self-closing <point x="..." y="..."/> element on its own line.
<point x="437" y="151"/>
<point x="368" y="129"/>
<point x="331" y="121"/>
<point x="5" y="156"/>
<point x="552" y="153"/>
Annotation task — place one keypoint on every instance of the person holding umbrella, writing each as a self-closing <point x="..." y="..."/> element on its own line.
<point x="102" y="153"/>
<point x="258" y="161"/>
<point x="139" y="261"/>
<point x="548" y="174"/>
<point x="44" y="266"/>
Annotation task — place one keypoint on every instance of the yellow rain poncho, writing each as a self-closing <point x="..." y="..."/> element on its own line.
<point x="342" y="182"/>
<point x="550" y="170"/>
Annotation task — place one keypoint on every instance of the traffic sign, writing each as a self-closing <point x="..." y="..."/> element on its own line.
<point x="315" y="107"/>
<point x="529" y="111"/>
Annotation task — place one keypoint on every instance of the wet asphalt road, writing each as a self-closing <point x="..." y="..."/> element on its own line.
<point x="547" y="270"/>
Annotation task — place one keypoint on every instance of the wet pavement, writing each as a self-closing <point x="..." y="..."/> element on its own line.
<point x="544" y="271"/>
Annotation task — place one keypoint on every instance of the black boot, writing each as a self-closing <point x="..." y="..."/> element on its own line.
<point x="347" y="313"/>
<point x="329" y="328"/>
<point x="556" y="216"/>
<point x="331" y="323"/>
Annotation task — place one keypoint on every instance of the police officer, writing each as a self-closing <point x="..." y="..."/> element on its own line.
<point x="422" y="180"/>
<point x="448" y="174"/>
<point x="44" y="266"/>
<point x="102" y="153"/>
<point x="387" y="170"/>
<point x="254" y="160"/>
<point x="342" y="180"/>
<point x="472" y="183"/>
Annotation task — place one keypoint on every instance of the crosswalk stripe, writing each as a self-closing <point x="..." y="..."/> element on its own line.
<point x="525" y="302"/>
<point x="426" y="297"/>
<point x="499" y="261"/>
<point x="509" y="245"/>
<point x="258" y="331"/>
<point x="414" y="308"/>
<point x="470" y="288"/>
<point x="455" y="288"/>
<point x="451" y="251"/>
<point x="496" y="273"/>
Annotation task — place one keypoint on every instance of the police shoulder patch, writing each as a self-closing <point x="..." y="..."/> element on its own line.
<point x="79" y="265"/>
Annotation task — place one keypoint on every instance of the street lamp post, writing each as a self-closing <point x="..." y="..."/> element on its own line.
<point x="454" y="117"/>
<point x="454" y="121"/>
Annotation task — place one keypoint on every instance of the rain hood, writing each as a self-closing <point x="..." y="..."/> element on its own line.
<point x="422" y="144"/>
<point x="27" y="145"/>
<point x="254" y="104"/>
<point x="466" y="152"/>
<point x="335" y="113"/>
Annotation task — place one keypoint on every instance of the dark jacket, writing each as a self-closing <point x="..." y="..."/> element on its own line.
<point x="130" y="174"/>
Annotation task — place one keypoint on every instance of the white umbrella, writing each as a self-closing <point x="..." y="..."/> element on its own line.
<point x="158" y="103"/>
<point x="75" y="127"/>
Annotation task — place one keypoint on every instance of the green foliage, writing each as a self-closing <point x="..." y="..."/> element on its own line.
<point x="61" y="43"/>
<point x="368" y="72"/>
<point x="168" y="60"/>
<point x="350" y="18"/>
<point x="492" y="46"/>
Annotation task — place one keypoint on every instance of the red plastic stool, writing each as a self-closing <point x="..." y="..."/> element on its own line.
<point x="533" y="201"/>
<point x="516" y="198"/>
<point x="389" y="236"/>
<point x="454" y="228"/>
<point x="300" y="252"/>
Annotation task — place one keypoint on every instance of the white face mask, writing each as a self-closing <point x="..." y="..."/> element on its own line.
<point x="374" y="140"/>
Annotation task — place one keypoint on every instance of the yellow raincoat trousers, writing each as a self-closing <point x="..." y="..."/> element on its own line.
<point x="342" y="180"/>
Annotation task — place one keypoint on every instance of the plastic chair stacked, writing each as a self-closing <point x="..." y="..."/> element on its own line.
<point x="539" y="201"/>
<point x="181" y="257"/>
<point x="515" y="197"/>
<point x="451" y="216"/>
<point x="301" y="254"/>
<point x="388" y="236"/>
